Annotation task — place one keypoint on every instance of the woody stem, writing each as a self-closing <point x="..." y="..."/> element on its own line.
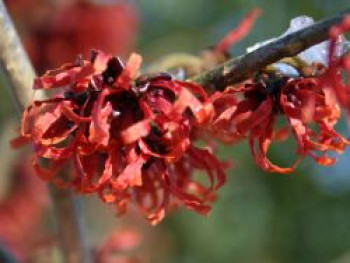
<point x="19" y="75"/>
<point x="243" y="67"/>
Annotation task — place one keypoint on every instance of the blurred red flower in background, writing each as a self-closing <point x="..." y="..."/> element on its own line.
<point x="54" y="32"/>
<point x="126" y="140"/>
<point x="117" y="244"/>
<point x="21" y="213"/>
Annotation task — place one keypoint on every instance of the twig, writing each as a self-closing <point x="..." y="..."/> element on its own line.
<point x="20" y="74"/>
<point x="14" y="62"/>
<point x="69" y="218"/>
<point x="243" y="67"/>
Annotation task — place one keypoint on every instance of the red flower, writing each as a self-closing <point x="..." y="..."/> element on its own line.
<point x="21" y="212"/>
<point x="304" y="103"/>
<point x="120" y="242"/>
<point x="53" y="33"/>
<point x="338" y="72"/>
<point x="251" y="111"/>
<point x="125" y="140"/>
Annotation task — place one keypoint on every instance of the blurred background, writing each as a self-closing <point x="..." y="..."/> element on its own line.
<point x="259" y="217"/>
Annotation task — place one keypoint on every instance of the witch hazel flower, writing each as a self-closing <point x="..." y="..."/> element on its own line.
<point x="251" y="110"/>
<point x="336" y="79"/>
<point x="126" y="138"/>
<point x="291" y="89"/>
<point x="21" y="213"/>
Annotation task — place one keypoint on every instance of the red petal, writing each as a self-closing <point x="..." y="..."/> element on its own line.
<point x="257" y="117"/>
<point x="63" y="78"/>
<point x="70" y="114"/>
<point x="187" y="99"/>
<point x="19" y="142"/>
<point x="129" y="73"/>
<point x="99" y="127"/>
<point x="324" y="160"/>
<point x="239" y="32"/>
<point x="131" y="176"/>
<point x="136" y="131"/>
<point x="100" y="61"/>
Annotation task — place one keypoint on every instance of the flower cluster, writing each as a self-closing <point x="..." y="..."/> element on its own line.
<point x="305" y="98"/>
<point x="125" y="138"/>
<point x="132" y="138"/>
<point x="251" y="110"/>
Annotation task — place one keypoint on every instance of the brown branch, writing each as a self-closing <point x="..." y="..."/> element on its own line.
<point x="243" y="67"/>
<point x="20" y="74"/>
<point x="69" y="217"/>
<point x="14" y="62"/>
